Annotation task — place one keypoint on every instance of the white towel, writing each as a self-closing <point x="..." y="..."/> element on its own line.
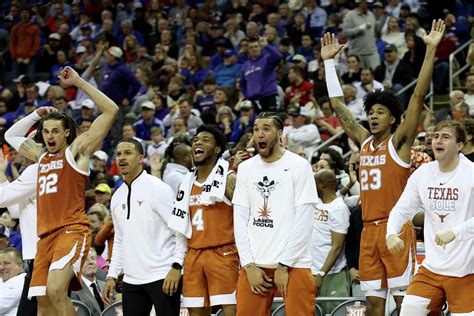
<point x="217" y="181"/>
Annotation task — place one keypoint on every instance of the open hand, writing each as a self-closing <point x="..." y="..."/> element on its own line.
<point x="171" y="283"/>
<point x="436" y="33"/>
<point x="329" y="46"/>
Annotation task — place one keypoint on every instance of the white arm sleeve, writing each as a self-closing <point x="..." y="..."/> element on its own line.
<point x="299" y="239"/>
<point x="241" y="234"/>
<point x="332" y="82"/>
<point x="406" y="207"/>
<point x="180" y="248"/>
<point x="15" y="135"/>
<point x="465" y="231"/>
<point x="22" y="188"/>
<point x="116" y="263"/>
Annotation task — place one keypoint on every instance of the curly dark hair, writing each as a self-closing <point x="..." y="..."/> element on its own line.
<point x="387" y="99"/>
<point x="217" y="133"/>
<point x="67" y="122"/>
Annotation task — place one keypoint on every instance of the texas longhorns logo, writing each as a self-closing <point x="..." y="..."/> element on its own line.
<point x="442" y="216"/>
<point x="140" y="202"/>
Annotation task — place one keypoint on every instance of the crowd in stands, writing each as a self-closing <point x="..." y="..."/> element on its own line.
<point x="173" y="65"/>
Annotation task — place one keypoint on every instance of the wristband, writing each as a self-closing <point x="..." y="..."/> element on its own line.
<point x="332" y="82"/>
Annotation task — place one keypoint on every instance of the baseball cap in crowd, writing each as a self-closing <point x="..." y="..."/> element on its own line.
<point x="115" y="51"/>
<point x="86" y="27"/>
<point x="22" y="78"/>
<point x="101" y="155"/>
<point x="88" y="103"/>
<point x="378" y="4"/>
<point x="8" y="18"/>
<point x="103" y="188"/>
<point x="148" y="105"/>
<point x="246" y="105"/>
<point x="390" y="48"/>
<point x="81" y="49"/>
<point x="54" y="36"/>
<point x="229" y="52"/>
<point x="298" y="58"/>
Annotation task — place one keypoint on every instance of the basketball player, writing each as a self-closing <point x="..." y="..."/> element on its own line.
<point x="274" y="204"/>
<point x="445" y="190"/>
<point x="384" y="169"/>
<point x="63" y="168"/>
<point x="211" y="264"/>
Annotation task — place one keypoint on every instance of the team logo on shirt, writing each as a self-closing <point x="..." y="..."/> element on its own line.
<point x="442" y="216"/>
<point x="264" y="187"/>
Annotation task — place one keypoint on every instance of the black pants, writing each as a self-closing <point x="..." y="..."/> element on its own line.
<point x="138" y="299"/>
<point x="27" y="307"/>
<point x="267" y="104"/>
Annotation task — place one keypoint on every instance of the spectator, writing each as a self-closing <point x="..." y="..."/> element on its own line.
<point x="13" y="278"/>
<point x="103" y="194"/>
<point x="468" y="149"/>
<point x="127" y="29"/>
<point x="6" y="118"/>
<point x="49" y="52"/>
<point x="327" y="242"/>
<point x="412" y="24"/>
<point x="367" y="83"/>
<point x="166" y="41"/>
<point x="147" y="121"/>
<point x="355" y="105"/>
<point x="185" y="112"/>
<point x="87" y="110"/>
<point x="244" y="122"/>
<point x="62" y="62"/>
<point x="198" y="73"/>
<point x="416" y="52"/>
<point x="204" y="98"/>
<point x="317" y="18"/>
<point x="178" y="13"/>
<point x="353" y="72"/>
<point x="233" y="34"/>
<point x="226" y="74"/>
<point x="394" y="7"/>
<point x="24" y="45"/>
<point x="393" y="73"/>
<point x="158" y="144"/>
<point x="99" y="162"/>
<point x="306" y="48"/>
<point x="225" y="119"/>
<point x="358" y="27"/>
<point x="90" y="293"/>
<point x="469" y="96"/>
<point x="297" y="29"/>
<point x="395" y="37"/>
<point x="380" y="18"/>
<point x="455" y="97"/>
<point x="181" y="164"/>
<point x="14" y="239"/>
<point x="329" y="124"/>
<point x="208" y="114"/>
<point x="272" y="36"/>
<point x="300" y="90"/>
<point x="301" y="131"/>
<point x="258" y="77"/>
<point x="57" y="18"/>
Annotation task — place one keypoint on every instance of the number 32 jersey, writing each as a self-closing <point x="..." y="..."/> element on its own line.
<point x="383" y="176"/>
<point x="60" y="192"/>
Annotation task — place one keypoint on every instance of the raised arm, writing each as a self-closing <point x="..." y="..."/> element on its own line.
<point x="354" y="130"/>
<point x="406" y="132"/>
<point x="88" y="142"/>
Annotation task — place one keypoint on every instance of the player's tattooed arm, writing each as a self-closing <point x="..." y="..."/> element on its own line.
<point x="353" y="129"/>
<point x="230" y="186"/>
<point x="31" y="150"/>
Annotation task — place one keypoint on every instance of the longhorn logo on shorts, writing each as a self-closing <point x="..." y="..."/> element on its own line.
<point x="265" y="187"/>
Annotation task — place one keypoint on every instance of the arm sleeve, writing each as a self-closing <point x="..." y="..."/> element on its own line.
<point x="116" y="263"/>
<point x="241" y="234"/>
<point x="180" y="248"/>
<point x="300" y="238"/>
<point x="465" y="231"/>
<point x="406" y="207"/>
<point x="22" y="188"/>
<point x="15" y="135"/>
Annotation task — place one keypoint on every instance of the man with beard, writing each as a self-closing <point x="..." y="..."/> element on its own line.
<point x="384" y="170"/>
<point x="274" y="203"/>
<point x="211" y="265"/>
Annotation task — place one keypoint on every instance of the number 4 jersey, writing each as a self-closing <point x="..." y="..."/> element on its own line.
<point x="213" y="225"/>
<point x="60" y="192"/>
<point x="383" y="176"/>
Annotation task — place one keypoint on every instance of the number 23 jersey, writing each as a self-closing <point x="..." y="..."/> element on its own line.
<point x="60" y="192"/>
<point x="383" y="176"/>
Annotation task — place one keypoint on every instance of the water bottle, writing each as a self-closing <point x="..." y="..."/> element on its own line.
<point x="355" y="310"/>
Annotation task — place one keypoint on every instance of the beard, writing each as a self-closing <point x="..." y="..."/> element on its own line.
<point x="267" y="152"/>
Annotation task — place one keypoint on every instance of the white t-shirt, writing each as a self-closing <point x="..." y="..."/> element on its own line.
<point x="273" y="192"/>
<point x="330" y="217"/>
<point x="10" y="294"/>
<point x="448" y="201"/>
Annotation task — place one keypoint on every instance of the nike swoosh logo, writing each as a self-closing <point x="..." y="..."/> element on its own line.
<point x="71" y="231"/>
<point x="228" y="253"/>
<point x="442" y="183"/>
<point x="286" y="169"/>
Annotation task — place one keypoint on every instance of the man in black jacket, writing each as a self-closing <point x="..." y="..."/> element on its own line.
<point x="393" y="72"/>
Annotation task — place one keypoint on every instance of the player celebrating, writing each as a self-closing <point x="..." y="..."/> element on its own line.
<point x="445" y="190"/>
<point x="384" y="169"/>
<point x="211" y="265"/>
<point x="274" y="204"/>
<point x="63" y="168"/>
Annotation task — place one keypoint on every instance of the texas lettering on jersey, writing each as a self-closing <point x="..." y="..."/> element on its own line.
<point x="372" y="161"/>
<point x="53" y="165"/>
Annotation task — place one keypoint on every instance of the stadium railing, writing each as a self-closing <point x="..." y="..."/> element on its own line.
<point x="452" y="74"/>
